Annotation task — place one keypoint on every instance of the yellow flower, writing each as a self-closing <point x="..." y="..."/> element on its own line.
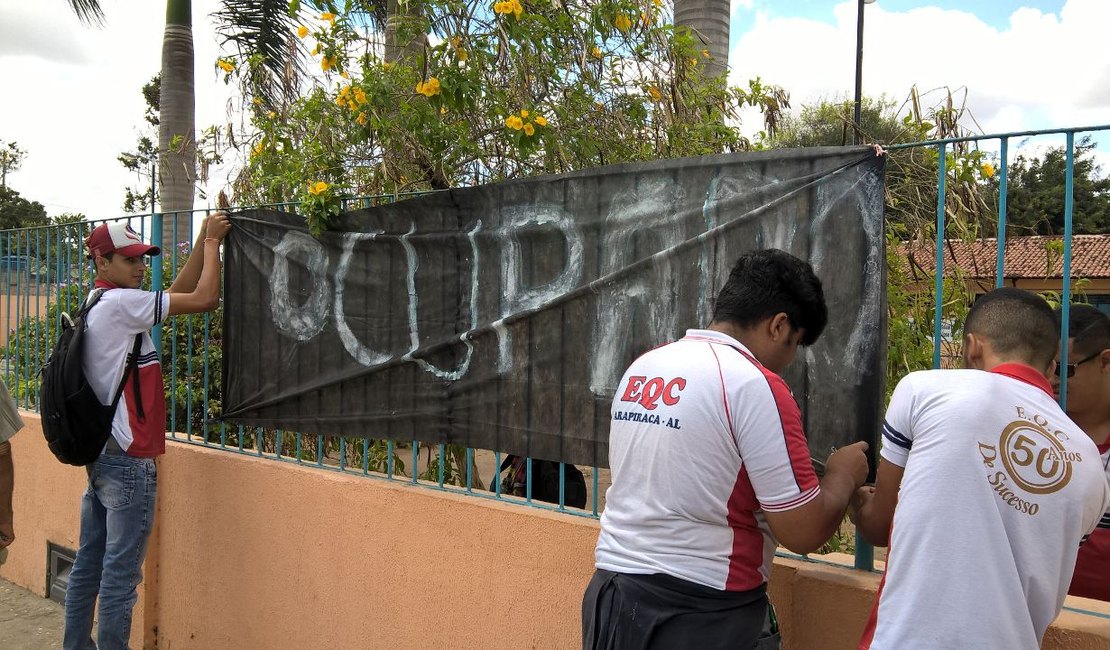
<point x="316" y="50"/>
<point x="523" y="113"/>
<point x="302" y="31"/>
<point x="225" y="65"/>
<point x="693" y="63"/>
<point x="705" y="53"/>
<point x="353" y="105"/>
<point x="319" y="187"/>
<point x="529" y="129"/>
<point x="328" y="16"/>
<point x="655" y="94"/>
<point x="344" y="91"/>
<point x="596" y="52"/>
<point x="260" y="147"/>
<point x="657" y="3"/>
<point x="623" y="23"/>
<point x="987" y="169"/>
<point x="360" y="96"/>
<point x="455" y="42"/>
<point x="340" y="100"/>
<point x="344" y="75"/>
<point x="428" y="88"/>
<point x="257" y="101"/>
<point x="271" y="115"/>
<point x="541" y="120"/>
<point x="518" y="9"/>
<point x="504" y="7"/>
<point x="514" y="122"/>
<point x="644" y="18"/>
<point x="361" y="119"/>
<point x="462" y="54"/>
<point x="327" y="63"/>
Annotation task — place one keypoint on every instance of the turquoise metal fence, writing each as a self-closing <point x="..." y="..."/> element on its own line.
<point x="49" y="274"/>
<point x="46" y="272"/>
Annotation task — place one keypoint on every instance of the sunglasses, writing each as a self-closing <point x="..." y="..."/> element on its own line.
<point x="1071" y="366"/>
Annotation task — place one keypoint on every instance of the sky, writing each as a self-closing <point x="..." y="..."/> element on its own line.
<point x="70" y="94"/>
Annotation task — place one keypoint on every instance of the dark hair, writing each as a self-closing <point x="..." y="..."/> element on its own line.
<point x="1019" y="324"/>
<point x="1089" y="327"/>
<point x="768" y="282"/>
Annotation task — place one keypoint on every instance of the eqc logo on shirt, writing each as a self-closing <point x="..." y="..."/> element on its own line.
<point x="647" y="392"/>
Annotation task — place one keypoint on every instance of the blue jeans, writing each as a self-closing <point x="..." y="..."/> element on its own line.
<point x="117" y="512"/>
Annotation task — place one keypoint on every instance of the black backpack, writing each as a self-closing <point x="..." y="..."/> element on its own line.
<point x="545" y="482"/>
<point x="75" y="423"/>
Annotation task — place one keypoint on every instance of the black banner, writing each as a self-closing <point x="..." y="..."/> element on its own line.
<point x="503" y="316"/>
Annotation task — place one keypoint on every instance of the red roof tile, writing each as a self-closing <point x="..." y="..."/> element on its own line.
<point x="1026" y="257"/>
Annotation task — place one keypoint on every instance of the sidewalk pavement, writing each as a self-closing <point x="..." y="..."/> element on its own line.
<point x="28" y="621"/>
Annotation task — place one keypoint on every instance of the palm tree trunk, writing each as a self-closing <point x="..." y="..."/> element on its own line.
<point x="177" y="123"/>
<point x="709" y="21"/>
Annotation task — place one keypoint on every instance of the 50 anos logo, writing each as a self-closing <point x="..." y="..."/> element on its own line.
<point x="1033" y="460"/>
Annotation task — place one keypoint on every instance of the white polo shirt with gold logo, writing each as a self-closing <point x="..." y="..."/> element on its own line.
<point x="999" y="489"/>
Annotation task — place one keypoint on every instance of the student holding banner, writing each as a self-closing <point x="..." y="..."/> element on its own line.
<point x="711" y="469"/>
<point x="117" y="509"/>
<point x="984" y="491"/>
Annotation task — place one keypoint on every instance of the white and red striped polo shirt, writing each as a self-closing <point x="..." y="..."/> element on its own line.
<point x="703" y="438"/>
<point x="112" y="325"/>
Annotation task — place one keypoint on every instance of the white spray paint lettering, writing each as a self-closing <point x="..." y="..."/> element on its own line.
<point x="358" y="351"/>
<point x="643" y="209"/>
<point x="519" y="298"/>
<point x="414" y="303"/>
<point x="299" y="321"/>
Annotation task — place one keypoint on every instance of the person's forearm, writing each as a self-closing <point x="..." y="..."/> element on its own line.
<point x="209" y="284"/>
<point x="7" y="482"/>
<point x="189" y="275"/>
<point x="872" y="528"/>
<point x="836" y="492"/>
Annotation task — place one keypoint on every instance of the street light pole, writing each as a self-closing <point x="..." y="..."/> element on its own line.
<point x="859" y="69"/>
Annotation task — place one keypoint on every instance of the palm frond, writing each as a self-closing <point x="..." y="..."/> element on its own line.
<point x="264" y="28"/>
<point x="88" y="12"/>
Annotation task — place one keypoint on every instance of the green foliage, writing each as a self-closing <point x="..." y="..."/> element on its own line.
<point x="468" y="95"/>
<point x="141" y="161"/>
<point x="11" y="159"/>
<point x="18" y="212"/>
<point x="842" y="541"/>
<point x="1035" y="196"/>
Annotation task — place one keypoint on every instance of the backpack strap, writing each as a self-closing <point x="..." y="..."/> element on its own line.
<point x="133" y="370"/>
<point x="93" y="298"/>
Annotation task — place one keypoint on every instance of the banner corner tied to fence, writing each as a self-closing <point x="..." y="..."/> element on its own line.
<point x="502" y="316"/>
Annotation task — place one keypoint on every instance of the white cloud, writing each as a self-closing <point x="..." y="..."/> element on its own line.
<point x="39" y="32"/>
<point x="1040" y="71"/>
<point x="73" y="100"/>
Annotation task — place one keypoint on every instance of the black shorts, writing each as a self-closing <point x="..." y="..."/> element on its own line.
<point x="623" y="611"/>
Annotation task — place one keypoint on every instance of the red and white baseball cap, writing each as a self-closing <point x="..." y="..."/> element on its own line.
<point x="118" y="237"/>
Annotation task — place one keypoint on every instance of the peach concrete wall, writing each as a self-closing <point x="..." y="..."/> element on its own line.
<point x="47" y="507"/>
<point x="321" y="560"/>
<point x="249" y="553"/>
